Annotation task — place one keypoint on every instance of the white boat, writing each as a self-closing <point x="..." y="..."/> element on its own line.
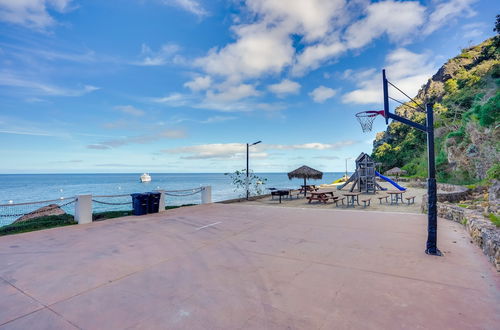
<point x="145" y="177"/>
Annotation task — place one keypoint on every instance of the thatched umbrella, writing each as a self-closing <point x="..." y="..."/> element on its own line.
<point x="305" y="172"/>
<point x="395" y="171"/>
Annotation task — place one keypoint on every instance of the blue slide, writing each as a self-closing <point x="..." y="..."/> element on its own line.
<point x="390" y="181"/>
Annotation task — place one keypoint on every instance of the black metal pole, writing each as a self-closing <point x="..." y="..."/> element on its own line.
<point x="247" y="173"/>
<point x="431" y="247"/>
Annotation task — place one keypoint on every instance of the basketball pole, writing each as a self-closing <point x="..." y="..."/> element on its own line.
<point x="431" y="245"/>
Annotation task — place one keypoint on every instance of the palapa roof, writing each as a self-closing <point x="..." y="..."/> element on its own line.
<point x="395" y="170"/>
<point x="305" y="172"/>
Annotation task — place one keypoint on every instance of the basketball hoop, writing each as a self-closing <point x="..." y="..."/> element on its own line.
<point x="366" y="118"/>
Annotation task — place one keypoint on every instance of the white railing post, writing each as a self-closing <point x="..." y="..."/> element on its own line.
<point x="161" y="206"/>
<point x="206" y="195"/>
<point x="83" y="209"/>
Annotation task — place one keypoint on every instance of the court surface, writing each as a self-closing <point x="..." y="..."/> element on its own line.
<point x="233" y="266"/>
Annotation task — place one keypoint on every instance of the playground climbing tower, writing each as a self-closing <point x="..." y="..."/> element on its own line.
<point x="364" y="178"/>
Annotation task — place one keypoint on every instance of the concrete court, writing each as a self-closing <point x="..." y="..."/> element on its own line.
<point x="247" y="267"/>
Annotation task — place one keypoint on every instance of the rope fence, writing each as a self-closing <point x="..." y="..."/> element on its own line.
<point x="111" y="203"/>
<point x="18" y="212"/>
<point x="11" y="212"/>
<point x="185" y="192"/>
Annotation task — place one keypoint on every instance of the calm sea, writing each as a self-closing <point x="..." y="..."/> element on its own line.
<point x="20" y="188"/>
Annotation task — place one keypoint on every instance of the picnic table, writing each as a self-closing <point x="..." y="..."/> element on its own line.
<point x="321" y="196"/>
<point x="396" y="195"/>
<point x="307" y="188"/>
<point x="351" y="198"/>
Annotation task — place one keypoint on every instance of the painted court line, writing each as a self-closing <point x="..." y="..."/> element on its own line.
<point x="210" y="225"/>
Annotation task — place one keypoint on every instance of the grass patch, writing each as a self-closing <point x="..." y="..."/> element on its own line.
<point x="38" y="224"/>
<point x="495" y="219"/>
<point x="170" y="207"/>
<point x="463" y="205"/>
<point x="110" y="215"/>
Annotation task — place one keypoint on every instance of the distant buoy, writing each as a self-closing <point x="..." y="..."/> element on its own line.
<point x="11" y="202"/>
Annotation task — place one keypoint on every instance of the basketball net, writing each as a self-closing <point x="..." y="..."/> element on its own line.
<point x="366" y="119"/>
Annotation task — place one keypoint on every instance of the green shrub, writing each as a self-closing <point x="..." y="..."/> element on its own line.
<point x="493" y="172"/>
<point x="489" y="113"/>
<point x="38" y="224"/>
<point x="495" y="219"/>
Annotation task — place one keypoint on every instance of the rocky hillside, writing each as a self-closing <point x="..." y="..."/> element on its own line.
<point x="466" y="96"/>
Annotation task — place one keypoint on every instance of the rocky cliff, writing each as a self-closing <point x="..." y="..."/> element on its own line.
<point x="466" y="97"/>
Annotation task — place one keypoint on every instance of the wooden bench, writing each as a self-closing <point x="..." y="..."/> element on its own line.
<point x="383" y="197"/>
<point x="336" y="201"/>
<point x="366" y="202"/>
<point x="410" y="200"/>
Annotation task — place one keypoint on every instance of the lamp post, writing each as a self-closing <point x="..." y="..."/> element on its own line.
<point x="346" y="166"/>
<point x="248" y="147"/>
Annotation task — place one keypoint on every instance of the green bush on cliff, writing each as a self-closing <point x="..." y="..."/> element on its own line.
<point x="494" y="172"/>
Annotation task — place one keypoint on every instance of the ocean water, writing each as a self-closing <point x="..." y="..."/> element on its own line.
<point x="21" y="188"/>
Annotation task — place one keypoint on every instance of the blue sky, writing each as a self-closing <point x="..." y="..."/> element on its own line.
<point x="182" y="85"/>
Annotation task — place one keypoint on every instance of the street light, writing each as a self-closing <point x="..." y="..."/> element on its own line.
<point x="248" y="146"/>
<point x="349" y="158"/>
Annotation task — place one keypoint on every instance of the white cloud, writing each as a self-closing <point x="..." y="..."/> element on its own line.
<point x="312" y="145"/>
<point x="141" y="139"/>
<point x="205" y="151"/>
<point x="199" y="83"/>
<point x="312" y="18"/>
<point x="284" y="87"/>
<point x="161" y="57"/>
<point x="259" y="50"/>
<point x="398" y="20"/>
<point x="446" y="12"/>
<point x="130" y="110"/>
<point x="313" y="56"/>
<point x="327" y="157"/>
<point x="265" y="46"/>
<point x="407" y="70"/>
<point x="237" y="150"/>
<point x="32" y="13"/>
<point x="232" y="93"/>
<point x="191" y="6"/>
<point x="217" y="119"/>
<point x="322" y="93"/>
<point x="41" y="88"/>
<point x="174" y="99"/>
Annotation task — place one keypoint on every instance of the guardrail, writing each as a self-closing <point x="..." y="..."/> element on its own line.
<point x="86" y="204"/>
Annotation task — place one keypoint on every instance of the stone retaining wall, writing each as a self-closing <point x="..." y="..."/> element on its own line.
<point x="446" y="192"/>
<point x="451" y="193"/>
<point x="483" y="233"/>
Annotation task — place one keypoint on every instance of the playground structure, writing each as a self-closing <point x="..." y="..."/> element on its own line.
<point x="364" y="178"/>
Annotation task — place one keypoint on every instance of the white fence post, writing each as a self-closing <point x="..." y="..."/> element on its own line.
<point x="83" y="209"/>
<point x="206" y="195"/>
<point x="161" y="206"/>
